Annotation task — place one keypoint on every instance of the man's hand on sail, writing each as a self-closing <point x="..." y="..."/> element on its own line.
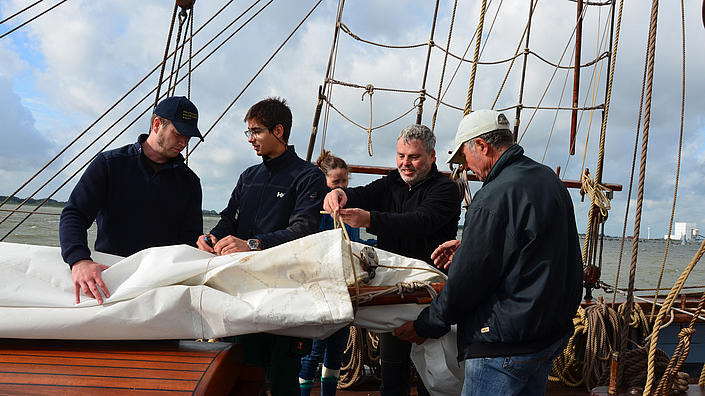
<point x="407" y="332"/>
<point x="86" y="276"/>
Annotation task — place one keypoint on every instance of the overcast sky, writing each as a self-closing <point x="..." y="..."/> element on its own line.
<point x="63" y="70"/>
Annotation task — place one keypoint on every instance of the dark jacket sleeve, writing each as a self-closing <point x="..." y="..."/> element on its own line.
<point x="369" y="197"/>
<point x="472" y="262"/>
<point x="435" y="211"/>
<point x="192" y="223"/>
<point x="229" y="216"/>
<point x="81" y="210"/>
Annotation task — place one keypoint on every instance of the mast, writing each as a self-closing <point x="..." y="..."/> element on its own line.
<point x="576" y="76"/>
<point x="322" y="89"/>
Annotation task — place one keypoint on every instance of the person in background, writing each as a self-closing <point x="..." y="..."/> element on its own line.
<point x="412" y="210"/>
<point x="515" y="277"/>
<point x="274" y="202"/>
<point x="329" y="350"/>
<point x="141" y="195"/>
<point x="338" y="175"/>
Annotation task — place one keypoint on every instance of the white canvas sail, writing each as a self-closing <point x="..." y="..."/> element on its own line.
<point x="178" y="292"/>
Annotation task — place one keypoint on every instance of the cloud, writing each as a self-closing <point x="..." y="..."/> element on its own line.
<point x="23" y="145"/>
<point x="78" y="60"/>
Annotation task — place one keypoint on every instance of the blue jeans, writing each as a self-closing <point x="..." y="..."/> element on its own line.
<point x="525" y="375"/>
<point x="329" y="350"/>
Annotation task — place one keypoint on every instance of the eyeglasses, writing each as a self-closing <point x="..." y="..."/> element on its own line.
<point x="250" y="132"/>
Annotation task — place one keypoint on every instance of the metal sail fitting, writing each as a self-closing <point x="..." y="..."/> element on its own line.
<point x="185" y="4"/>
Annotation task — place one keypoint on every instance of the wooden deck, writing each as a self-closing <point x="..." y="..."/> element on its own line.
<point x="51" y="367"/>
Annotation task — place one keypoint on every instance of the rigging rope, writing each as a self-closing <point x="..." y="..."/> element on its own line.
<point x="119" y="119"/>
<point x="476" y="58"/>
<point x="163" y="64"/>
<point x="445" y="63"/>
<point x="422" y="94"/>
<point x="678" y="166"/>
<point x="20" y="11"/>
<point x="32" y="19"/>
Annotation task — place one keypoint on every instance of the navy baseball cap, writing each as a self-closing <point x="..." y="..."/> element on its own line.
<point x="182" y="113"/>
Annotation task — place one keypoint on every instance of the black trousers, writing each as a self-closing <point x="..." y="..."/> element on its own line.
<point x="395" y="362"/>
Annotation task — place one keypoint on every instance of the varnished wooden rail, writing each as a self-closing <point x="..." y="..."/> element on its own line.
<point x="70" y="367"/>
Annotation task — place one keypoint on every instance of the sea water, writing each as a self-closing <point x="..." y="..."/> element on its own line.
<point x="43" y="229"/>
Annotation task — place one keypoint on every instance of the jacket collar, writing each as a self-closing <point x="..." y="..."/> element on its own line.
<point x="396" y="177"/>
<point x="281" y="161"/>
<point x="137" y="148"/>
<point x="509" y="156"/>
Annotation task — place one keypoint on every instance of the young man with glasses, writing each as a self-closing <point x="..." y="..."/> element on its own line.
<point x="273" y="202"/>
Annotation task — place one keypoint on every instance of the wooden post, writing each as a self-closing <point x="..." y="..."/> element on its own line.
<point x="614" y="371"/>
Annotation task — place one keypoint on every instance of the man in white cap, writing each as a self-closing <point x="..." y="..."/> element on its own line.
<point x="515" y="280"/>
<point x="141" y="195"/>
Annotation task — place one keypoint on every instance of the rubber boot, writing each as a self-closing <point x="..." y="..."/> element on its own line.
<point x="329" y="381"/>
<point x="305" y="386"/>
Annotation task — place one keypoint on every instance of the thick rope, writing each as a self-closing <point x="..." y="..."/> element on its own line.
<point x="353" y="372"/>
<point x="677" y="360"/>
<point x="399" y="289"/>
<point x="642" y="177"/>
<point x="602" y="339"/>
<point x="361" y="351"/>
<point x="476" y="58"/>
<point x="678" y="166"/>
<point x="568" y="367"/>
<point x="596" y="192"/>
<point x="662" y="313"/>
<point x="635" y="362"/>
<point x="673" y="374"/>
<point x="634" y="156"/>
<point x="637" y="318"/>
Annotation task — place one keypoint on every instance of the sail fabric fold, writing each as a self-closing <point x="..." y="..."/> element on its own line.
<point x="178" y="292"/>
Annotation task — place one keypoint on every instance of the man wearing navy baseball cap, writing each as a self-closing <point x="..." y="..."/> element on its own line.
<point x="141" y="195"/>
<point x="182" y="113"/>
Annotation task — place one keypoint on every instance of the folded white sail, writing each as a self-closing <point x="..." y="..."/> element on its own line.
<point x="179" y="292"/>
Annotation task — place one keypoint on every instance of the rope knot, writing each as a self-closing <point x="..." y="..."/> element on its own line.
<point x="596" y="193"/>
<point x="686" y="332"/>
<point x="369" y="90"/>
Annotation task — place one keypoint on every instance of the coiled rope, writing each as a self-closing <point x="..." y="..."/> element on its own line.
<point x="361" y="351"/>
<point x="597" y="333"/>
<point x="568" y="367"/>
<point x="602" y="338"/>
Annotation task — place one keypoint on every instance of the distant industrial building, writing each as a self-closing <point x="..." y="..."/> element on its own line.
<point x="684" y="232"/>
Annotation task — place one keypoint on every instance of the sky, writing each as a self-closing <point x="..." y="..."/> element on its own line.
<point x="63" y="71"/>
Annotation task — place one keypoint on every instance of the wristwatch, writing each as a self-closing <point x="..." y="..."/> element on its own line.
<point x="254" y="244"/>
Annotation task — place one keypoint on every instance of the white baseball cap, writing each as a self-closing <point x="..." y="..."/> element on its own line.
<point x="474" y="125"/>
